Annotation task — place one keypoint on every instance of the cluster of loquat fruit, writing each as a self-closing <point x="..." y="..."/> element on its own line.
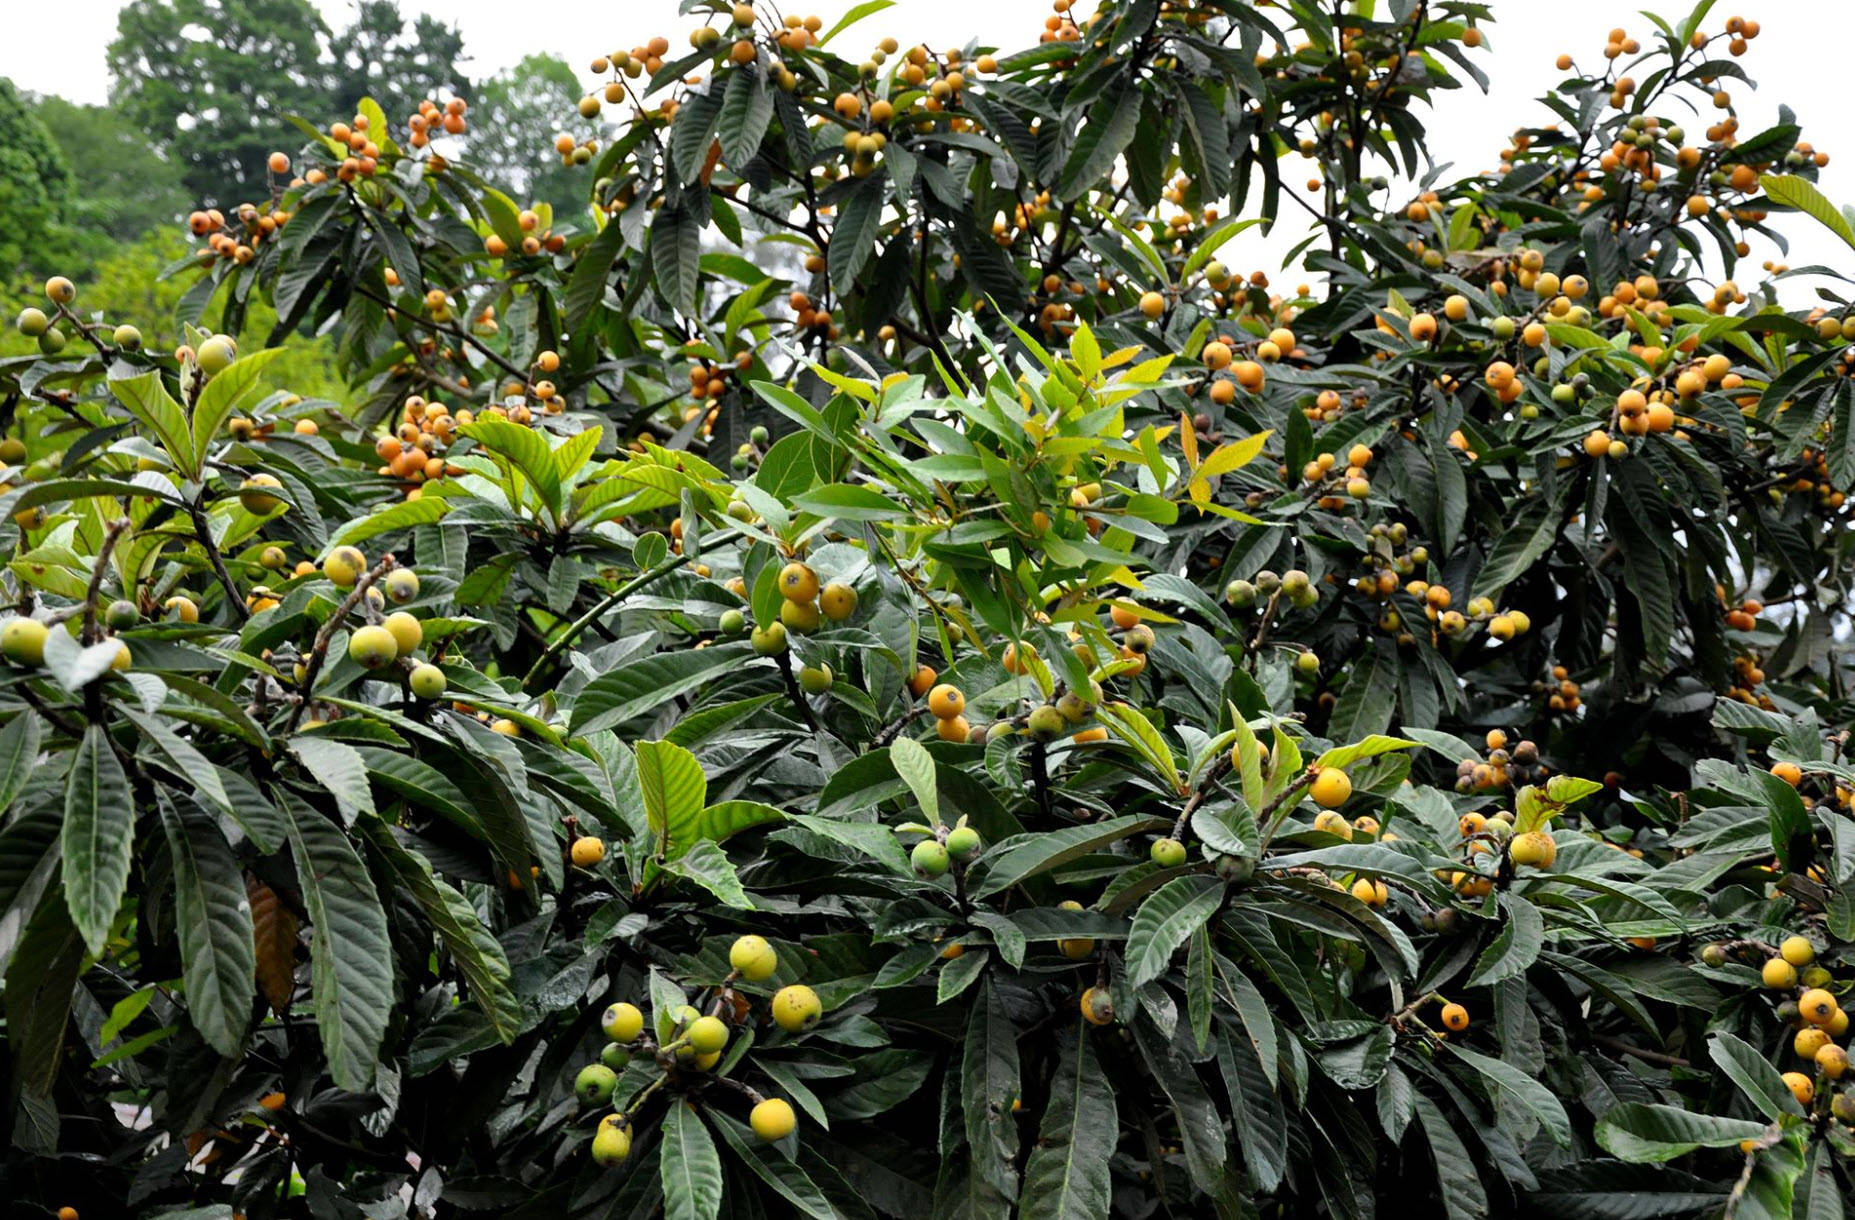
<point x="1814" y="787"/>
<point x="51" y="330"/>
<point x="1744" y="616"/>
<point x="1059" y="26"/>
<point x="1811" y="477"/>
<point x="238" y="242"/>
<point x="384" y="639"/>
<point x="920" y="86"/>
<point x="1331" y="788"/>
<point x="1056" y="309"/>
<point x="709" y="380"/>
<point x="942" y="848"/>
<point x="1648" y="408"/>
<point x="1649" y="154"/>
<point x="1063" y="712"/>
<point x="1501" y="767"/>
<point x="804" y="606"/>
<point x="1563" y="694"/>
<point x="363" y="156"/>
<point x="1435" y="603"/>
<point x="212" y="355"/>
<point x="1024" y="218"/>
<point x="1225" y="373"/>
<point x="1268" y="587"/>
<point x="22" y="639"/>
<point x="429" y="117"/>
<point x="685" y="1044"/>
<point x="1483" y="839"/>
<point x="352" y="153"/>
<point x="1334" y="486"/>
<point x="537" y="238"/>
<point x="945" y="702"/>
<point x="1329" y="405"/>
<point x="1747" y="677"/>
<point x="1816" y="1017"/>
<point x="808" y="318"/>
<point x="414" y="452"/>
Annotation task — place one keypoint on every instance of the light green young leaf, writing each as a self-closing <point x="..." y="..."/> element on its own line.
<point x="524" y="449"/>
<point x="222" y="395"/>
<point x="674" y="794"/>
<point x="1801" y="193"/>
<point x="149" y="401"/>
<point x="709" y="867"/>
<point x="1128" y="724"/>
<point x="1367" y="747"/>
<point x="916" y="767"/>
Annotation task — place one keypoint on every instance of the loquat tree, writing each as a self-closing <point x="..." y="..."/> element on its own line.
<point x="867" y="673"/>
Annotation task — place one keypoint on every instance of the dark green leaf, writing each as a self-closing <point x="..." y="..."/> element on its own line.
<point x="351" y="974"/>
<point x="212" y="915"/>
<point x="98" y="837"/>
<point x="691" y="1167"/>
<point x="1067" y="1176"/>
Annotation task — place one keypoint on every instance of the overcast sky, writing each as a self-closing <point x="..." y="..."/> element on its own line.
<point x="60" y="46"/>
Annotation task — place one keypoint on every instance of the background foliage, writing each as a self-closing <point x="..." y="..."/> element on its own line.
<point x="1189" y="745"/>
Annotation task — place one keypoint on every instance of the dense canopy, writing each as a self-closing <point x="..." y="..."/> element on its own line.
<point x="851" y="666"/>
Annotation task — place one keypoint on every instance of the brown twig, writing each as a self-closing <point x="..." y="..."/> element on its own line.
<point x="313" y="667"/>
<point x="203" y="528"/>
<point x="793" y="691"/>
<point x="1638" y="1052"/>
<point x="891" y="730"/>
<point x="110" y="536"/>
<point x="1254" y="648"/>
<point x="64" y="725"/>
<point x="1283" y="802"/>
<point x="612" y="599"/>
<point x="457" y="332"/>
<point x="1212" y="774"/>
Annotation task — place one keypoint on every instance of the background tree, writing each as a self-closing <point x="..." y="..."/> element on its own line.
<point x="35" y="180"/>
<point x="122" y="186"/>
<point x="210" y="81"/>
<point x="396" y="62"/>
<point x="519" y="111"/>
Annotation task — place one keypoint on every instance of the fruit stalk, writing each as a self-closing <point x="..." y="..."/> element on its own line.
<point x="319" y="653"/>
<point x="111" y="536"/>
<point x="85" y="329"/>
<point x="1040" y="779"/>
<point x="1253" y="652"/>
<point x="1639" y="1052"/>
<point x="52" y="716"/>
<point x="1410" y="1010"/>
<point x="1212" y="774"/>
<point x="456" y="332"/>
<point x="205" y="533"/>
<point x="640" y="581"/>
<point x="792" y="690"/>
<point x="1276" y="810"/>
<point x="894" y="727"/>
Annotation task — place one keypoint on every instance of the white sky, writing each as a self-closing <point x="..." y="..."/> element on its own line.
<point x="1800" y="59"/>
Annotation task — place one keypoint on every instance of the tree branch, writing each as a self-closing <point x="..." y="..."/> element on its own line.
<point x="319" y="654"/>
